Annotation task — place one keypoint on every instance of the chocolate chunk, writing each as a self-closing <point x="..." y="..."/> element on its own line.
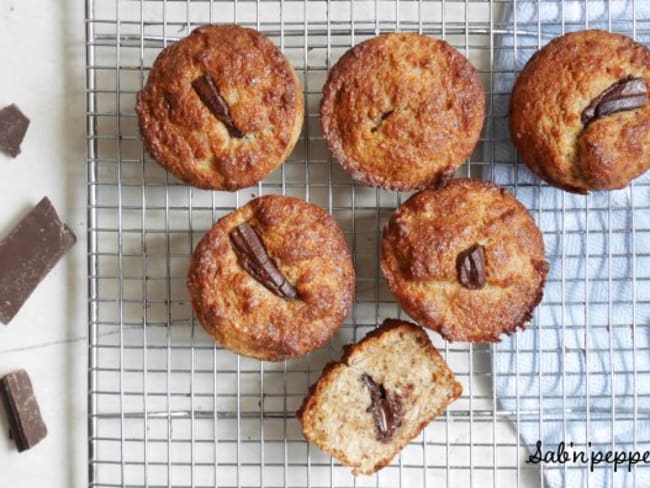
<point x="626" y="94"/>
<point x="383" y="117"/>
<point x="206" y="89"/>
<point x="13" y="126"/>
<point x="441" y="180"/>
<point x="26" y="426"/>
<point x="28" y="253"/>
<point x="470" y="265"/>
<point x="253" y="258"/>
<point x="386" y="409"/>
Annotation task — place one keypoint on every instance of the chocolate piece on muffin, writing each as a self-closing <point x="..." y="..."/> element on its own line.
<point x="272" y="280"/>
<point x="579" y="113"/>
<point x="402" y="111"/>
<point x="386" y="389"/>
<point x="466" y="260"/>
<point x="221" y="108"/>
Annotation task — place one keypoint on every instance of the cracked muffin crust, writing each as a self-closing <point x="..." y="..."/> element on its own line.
<point x="221" y="108"/>
<point x="272" y="240"/>
<point x="364" y="409"/>
<point x="402" y="111"/>
<point x="466" y="260"/>
<point x="550" y="124"/>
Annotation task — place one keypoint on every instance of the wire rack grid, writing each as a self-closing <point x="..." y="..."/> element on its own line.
<point x="168" y="407"/>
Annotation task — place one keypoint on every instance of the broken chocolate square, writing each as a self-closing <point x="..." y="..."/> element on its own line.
<point x="252" y="256"/>
<point x="206" y="88"/>
<point x="629" y="93"/>
<point x="470" y="265"/>
<point x="25" y="422"/>
<point x="28" y="254"/>
<point x="386" y="408"/>
<point x="13" y="126"/>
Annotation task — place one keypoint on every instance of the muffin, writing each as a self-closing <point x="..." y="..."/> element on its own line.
<point x="386" y="389"/>
<point x="466" y="260"/>
<point x="221" y="108"/>
<point x="579" y="112"/>
<point x="272" y="280"/>
<point x="402" y="111"/>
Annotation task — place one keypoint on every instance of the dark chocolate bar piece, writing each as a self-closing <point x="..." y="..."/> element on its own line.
<point x="628" y="93"/>
<point x="470" y="265"/>
<point x="13" y="126"/>
<point x="386" y="408"/>
<point x="25" y="422"/>
<point x="28" y="253"/>
<point x="207" y="90"/>
<point x="253" y="258"/>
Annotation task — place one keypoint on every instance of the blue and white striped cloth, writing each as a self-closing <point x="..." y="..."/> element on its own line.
<point x="582" y="331"/>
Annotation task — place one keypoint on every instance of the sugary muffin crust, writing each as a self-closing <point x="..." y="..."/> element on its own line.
<point x="466" y="260"/>
<point x="402" y="111"/>
<point x="548" y="118"/>
<point x="364" y="409"/>
<point x="262" y="97"/>
<point x="233" y="295"/>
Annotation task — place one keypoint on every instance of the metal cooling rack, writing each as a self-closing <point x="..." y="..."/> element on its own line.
<point x="168" y="407"/>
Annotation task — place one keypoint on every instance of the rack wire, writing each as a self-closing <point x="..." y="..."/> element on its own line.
<point x="169" y="407"/>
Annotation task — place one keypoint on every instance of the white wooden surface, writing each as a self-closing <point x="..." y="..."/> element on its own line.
<point x="41" y="59"/>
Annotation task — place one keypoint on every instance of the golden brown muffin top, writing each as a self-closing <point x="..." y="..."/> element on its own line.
<point x="261" y="90"/>
<point x="402" y="111"/>
<point x="308" y="248"/>
<point x="420" y="259"/>
<point x="555" y="87"/>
